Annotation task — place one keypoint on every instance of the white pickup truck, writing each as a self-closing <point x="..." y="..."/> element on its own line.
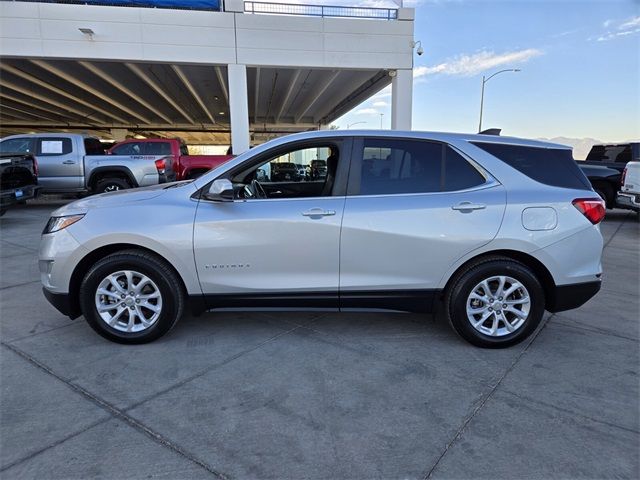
<point x="629" y="194"/>
<point x="75" y="163"/>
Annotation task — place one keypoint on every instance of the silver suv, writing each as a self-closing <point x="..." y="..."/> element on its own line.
<point x="494" y="229"/>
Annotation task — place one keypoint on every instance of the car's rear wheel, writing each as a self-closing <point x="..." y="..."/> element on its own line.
<point x="495" y="303"/>
<point x="131" y="297"/>
<point x="111" y="185"/>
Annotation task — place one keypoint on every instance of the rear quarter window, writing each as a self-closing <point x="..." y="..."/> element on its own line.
<point x="551" y="166"/>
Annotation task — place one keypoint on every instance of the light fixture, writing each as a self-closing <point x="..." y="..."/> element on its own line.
<point x="87" y="31"/>
<point x="220" y="113"/>
<point x="420" y="50"/>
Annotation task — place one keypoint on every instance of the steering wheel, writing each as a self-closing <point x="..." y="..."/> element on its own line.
<point x="257" y="190"/>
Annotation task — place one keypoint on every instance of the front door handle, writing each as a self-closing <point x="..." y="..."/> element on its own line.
<point x="462" y="206"/>
<point x="68" y="162"/>
<point x="318" y="212"/>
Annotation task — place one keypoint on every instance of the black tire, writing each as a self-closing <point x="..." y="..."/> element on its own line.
<point x="606" y="193"/>
<point x="455" y="303"/>
<point x="111" y="184"/>
<point x="173" y="296"/>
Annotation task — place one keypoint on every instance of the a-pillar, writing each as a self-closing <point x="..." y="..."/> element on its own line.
<point x="401" y="98"/>
<point x="238" y="108"/>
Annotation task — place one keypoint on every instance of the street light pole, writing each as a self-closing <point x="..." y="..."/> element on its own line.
<point x="381" y="115"/>
<point x="485" y="80"/>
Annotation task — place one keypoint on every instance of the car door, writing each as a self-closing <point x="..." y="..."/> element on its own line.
<point x="413" y="208"/>
<point x="279" y="251"/>
<point x="60" y="164"/>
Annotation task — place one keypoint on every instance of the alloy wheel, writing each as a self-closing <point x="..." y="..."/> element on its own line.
<point x="128" y="301"/>
<point x="498" y="306"/>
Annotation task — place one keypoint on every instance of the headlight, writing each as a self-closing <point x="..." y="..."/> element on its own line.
<point x="59" y="223"/>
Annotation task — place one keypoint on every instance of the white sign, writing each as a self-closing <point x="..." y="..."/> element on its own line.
<point x="52" y="146"/>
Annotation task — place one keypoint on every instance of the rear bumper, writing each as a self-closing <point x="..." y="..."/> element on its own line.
<point x="13" y="196"/>
<point x="628" y="200"/>
<point x="62" y="302"/>
<point x="567" y="297"/>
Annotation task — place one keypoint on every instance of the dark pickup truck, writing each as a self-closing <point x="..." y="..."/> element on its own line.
<point x="18" y="179"/>
<point x="604" y="166"/>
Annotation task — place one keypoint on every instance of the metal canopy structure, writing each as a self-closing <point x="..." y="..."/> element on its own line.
<point x="158" y="99"/>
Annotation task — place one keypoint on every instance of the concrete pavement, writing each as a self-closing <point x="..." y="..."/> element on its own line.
<point x="319" y="396"/>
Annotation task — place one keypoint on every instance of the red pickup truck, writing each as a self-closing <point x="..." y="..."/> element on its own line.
<point x="185" y="166"/>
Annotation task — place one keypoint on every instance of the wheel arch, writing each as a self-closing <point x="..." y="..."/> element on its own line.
<point x="99" y="173"/>
<point x="539" y="269"/>
<point x="93" y="256"/>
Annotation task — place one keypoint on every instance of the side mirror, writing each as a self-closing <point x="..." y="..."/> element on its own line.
<point x="221" y="190"/>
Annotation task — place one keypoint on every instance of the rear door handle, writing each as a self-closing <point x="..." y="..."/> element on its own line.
<point x="318" y="212"/>
<point x="68" y="162"/>
<point x="469" y="206"/>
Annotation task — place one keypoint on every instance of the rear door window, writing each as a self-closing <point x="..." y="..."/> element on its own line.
<point x="51" y="146"/>
<point x="400" y="166"/>
<point x="551" y="166"/>
<point x="157" y="148"/>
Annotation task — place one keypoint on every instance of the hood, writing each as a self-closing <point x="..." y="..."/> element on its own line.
<point x="113" y="199"/>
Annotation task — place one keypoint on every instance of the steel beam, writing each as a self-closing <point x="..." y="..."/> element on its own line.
<point x="193" y="92"/>
<point x="59" y="91"/>
<point x="159" y="90"/>
<point x="287" y="96"/>
<point x="87" y="88"/>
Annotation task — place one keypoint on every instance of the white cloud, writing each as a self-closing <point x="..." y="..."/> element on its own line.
<point x="380" y="103"/>
<point x="367" y="111"/>
<point x="630" y="26"/>
<point x="468" y="65"/>
<point x="384" y="93"/>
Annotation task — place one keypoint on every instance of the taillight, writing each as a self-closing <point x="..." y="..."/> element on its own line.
<point x="161" y="166"/>
<point x="624" y="175"/>
<point x="591" y="208"/>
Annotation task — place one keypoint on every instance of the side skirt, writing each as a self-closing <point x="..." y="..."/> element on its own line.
<point x="415" y="301"/>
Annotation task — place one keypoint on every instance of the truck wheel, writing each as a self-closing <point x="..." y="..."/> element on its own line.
<point x="495" y="302"/>
<point x="605" y="192"/>
<point x="111" y="185"/>
<point x="131" y="297"/>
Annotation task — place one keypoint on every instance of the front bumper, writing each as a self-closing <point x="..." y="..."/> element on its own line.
<point x="63" y="303"/>
<point x="628" y="200"/>
<point x="568" y="297"/>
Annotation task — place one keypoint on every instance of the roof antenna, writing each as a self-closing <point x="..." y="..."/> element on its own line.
<point x="491" y="131"/>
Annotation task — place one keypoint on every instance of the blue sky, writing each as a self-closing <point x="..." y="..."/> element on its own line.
<point x="580" y="64"/>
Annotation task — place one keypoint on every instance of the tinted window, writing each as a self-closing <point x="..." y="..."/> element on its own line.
<point x="157" y="148"/>
<point x="400" y="166"/>
<point x="131" y="148"/>
<point x="414" y="166"/>
<point x="17" y="145"/>
<point x="183" y="149"/>
<point x="551" y="166"/>
<point x="53" y="146"/>
<point x="93" y="146"/>
<point x="459" y="174"/>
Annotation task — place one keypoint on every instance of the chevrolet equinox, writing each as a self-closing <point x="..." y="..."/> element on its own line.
<point x="496" y="230"/>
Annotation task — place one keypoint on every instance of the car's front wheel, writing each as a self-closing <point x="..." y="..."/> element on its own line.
<point x="495" y="303"/>
<point x="131" y="297"/>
